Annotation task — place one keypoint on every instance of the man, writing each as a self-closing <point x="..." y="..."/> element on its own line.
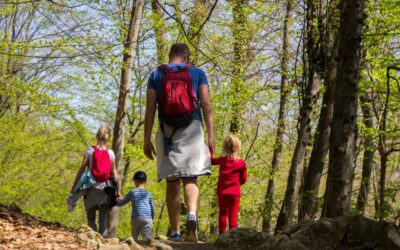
<point x="182" y="154"/>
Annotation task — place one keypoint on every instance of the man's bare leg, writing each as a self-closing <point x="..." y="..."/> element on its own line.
<point x="191" y="194"/>
<point x="191" y="199"/>
<point x="173" y="198"/>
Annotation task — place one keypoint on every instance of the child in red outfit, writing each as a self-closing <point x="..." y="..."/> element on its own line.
<point x="232" y="174"/>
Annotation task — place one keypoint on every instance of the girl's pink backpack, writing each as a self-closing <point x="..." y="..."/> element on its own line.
<point x="101" y="164"/>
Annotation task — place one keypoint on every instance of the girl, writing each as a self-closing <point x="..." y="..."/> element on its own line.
<point x="100" y="160"/>
<point x="232" y="174"/>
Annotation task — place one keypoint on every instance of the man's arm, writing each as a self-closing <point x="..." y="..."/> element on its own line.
<point x="204" y="93"/>
<point x="151" y="102"/>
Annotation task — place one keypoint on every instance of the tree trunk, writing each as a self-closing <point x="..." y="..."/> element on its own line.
<point x="321" y="139"/>
<point x="369" y="151"/>
<point x="284" y="92"/>
<point x="297" y="164"/>
<point x="194" y="32"/>
<point x="383" y="152"/>
<point x="382" y="186"/>
<point x="123" y="99"/>
<point x="308" y="104"/>
<point x="159" y="30"/>
<point x="342" y="146"/>
<point x="197" y="18"/>
<point x="318" y="154"/>
<point x="240" y="43"/>
<point x="160" y="218"/>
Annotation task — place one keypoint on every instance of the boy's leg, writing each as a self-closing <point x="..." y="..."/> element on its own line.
<point x="173" y="203"/>
<point x="147" y="230"/>
<point x="233" y="211"/>
<point x="223" y="213"/>
<point x="135" y="229"/>
<point x="91" y="218"/>
<point x="104" y="210"/>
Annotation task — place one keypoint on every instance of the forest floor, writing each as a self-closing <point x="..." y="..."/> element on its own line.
<point x="23" y="231"/>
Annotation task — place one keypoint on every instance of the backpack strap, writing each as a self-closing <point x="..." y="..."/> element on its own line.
<point x="90" y="157"/>
<point x="169" y="138"/>
<point x="188" y="67"/>
<point x="165" y="68"/>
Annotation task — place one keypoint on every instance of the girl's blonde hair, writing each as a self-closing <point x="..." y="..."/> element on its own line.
<point x="103" y="134"/>
<point x="232" y="146"/>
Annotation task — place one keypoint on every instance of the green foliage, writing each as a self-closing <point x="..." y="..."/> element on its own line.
<point x="59" y="79"/>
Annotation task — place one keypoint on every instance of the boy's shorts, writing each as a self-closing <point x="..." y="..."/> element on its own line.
<point x="142" y="227"/>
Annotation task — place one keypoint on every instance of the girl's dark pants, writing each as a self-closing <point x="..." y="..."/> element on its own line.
<point x="103" y="217"/>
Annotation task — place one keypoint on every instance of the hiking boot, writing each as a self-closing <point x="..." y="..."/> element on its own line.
<point x="176" y="237"/>
<point x="191" y="228"/>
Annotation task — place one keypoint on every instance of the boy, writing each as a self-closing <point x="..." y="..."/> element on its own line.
<point x="142" y="208"/>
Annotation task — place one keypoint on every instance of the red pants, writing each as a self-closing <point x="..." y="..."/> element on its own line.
<point x="228" y="209"/>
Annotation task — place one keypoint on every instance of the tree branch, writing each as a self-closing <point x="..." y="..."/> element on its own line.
<point x="252" y="142"/>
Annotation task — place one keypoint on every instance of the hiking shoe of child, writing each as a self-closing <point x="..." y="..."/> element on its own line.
<point x="191" y="228"/>
<point x="175" y="237"/>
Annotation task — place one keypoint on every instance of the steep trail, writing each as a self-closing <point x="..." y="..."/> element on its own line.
<point x="22" y="231"/>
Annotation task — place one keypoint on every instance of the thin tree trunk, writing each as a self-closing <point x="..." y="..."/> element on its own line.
<point x="123" y="99"/>
<point x="342" y="146"/>
<point x="369" y="151"/>
<point x="382" y="186"/>
<point x="240" y="43"/>
<point x="316" y="164"/>
<point x="214" y="206"/>
<point x="197" y="18"/>
<point x="284" y="92"/>
<point x="159" y="30"/>
<point x="160" y="218"/>
<point x="383" y="152"/>
<point x="295" y="177"/>
<point x="194" y="32"/>
<point x="297" y="164"/>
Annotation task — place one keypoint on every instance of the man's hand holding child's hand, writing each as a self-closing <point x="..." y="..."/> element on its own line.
<point x="119" y="197"/>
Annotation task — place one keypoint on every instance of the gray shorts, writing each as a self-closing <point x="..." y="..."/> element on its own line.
<point x="189" y="155"/>
<point x="142" y="227"/>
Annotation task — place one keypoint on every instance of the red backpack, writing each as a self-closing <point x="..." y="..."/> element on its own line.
<point x="101" y="164"/>
<point x="178" y="104"/>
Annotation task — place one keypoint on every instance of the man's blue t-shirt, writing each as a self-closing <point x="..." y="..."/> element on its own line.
<point x="198" y="78"/>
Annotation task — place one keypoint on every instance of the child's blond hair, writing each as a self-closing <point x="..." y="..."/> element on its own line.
<point x="232" y="146"/>
<point x="103" y="133"/>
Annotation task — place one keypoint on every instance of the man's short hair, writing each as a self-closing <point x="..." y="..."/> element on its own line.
<point x="179" y="49"/>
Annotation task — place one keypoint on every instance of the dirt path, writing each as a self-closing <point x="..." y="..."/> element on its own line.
<point x="191" y="246"/>
<point x="22" y="231"/>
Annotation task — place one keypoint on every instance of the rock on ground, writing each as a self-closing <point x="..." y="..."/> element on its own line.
<point x="349" y="232"/>
<point x="95" y="241"/>
<point x="241" y="238"/>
